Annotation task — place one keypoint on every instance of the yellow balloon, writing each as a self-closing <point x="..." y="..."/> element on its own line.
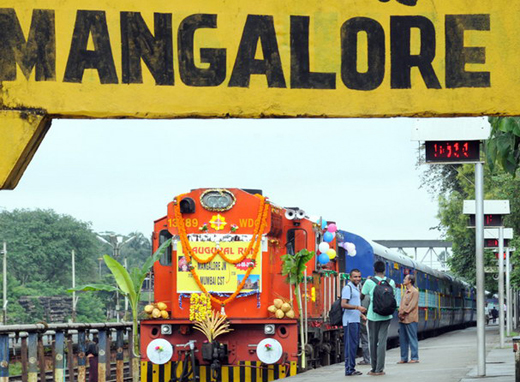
<point x="331" y="253"/>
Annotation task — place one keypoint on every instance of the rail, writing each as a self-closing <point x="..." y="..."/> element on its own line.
<point x="59" y="350"/>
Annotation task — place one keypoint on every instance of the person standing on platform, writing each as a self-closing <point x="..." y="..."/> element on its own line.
<point x="381" y="291"/>
<point x="408" y="321"/>
<point x="363" y="334"/>
<point x="352" y="312"/>
<point x="494" y="313"/>
<point x="92" y="355"/>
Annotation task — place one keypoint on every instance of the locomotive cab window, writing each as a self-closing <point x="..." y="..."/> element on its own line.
<point x="166" y="258"/>
<point x="296" y="240"/>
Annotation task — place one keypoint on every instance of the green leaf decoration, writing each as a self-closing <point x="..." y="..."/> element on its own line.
<point x="135" y="276"/>
<point x="293" y="266"/>
<point x="122" y="277"/>
<point x="151" y="261"/>
<point x="94" y="287"/>
<point x="155" y="257"/>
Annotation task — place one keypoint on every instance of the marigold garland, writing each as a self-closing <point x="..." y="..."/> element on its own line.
<point x="260" y="224"/>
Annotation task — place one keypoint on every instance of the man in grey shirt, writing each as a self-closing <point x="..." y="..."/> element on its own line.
<point x="352" y="313"/>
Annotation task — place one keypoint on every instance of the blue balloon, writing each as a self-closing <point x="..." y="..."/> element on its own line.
<point x="323" y="258"/>
<point x="323" y="224"/>
<point x="328" y="237"/>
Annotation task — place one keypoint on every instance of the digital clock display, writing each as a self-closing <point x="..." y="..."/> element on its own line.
<point x="493" y="243"/>
<point x="452" y="151"/>
<point x="489" y="220"/>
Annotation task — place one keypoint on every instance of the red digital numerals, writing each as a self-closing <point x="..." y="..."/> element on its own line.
<point x="450" y="150"/>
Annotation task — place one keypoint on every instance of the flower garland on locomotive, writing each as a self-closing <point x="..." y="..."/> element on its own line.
<point x="231" y="268"/>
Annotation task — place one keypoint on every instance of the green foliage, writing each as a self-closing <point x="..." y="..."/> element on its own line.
<point x="40" y="241"/>
<point x="129" y="286"/>
<point x="39" y="258"/>
<point x="294" y="265"/>
<point x="503" y="146"/>
<point x="135" y="251"/>
<point x="90" y="308"/>
<point x="453" y="224"/>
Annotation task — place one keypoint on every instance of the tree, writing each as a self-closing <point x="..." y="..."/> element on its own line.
<point x="39" y="246"/>
<point x="503" y="145"/>
<point x="453" y="224"/>
<point x="40" y="241"/>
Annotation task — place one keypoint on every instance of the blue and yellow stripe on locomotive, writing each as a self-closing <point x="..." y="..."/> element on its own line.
<point x="245" y="371"/>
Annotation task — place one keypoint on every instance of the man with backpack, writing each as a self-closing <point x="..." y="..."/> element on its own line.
<point x="380" y="312"/>
<point x="352" y="312"/>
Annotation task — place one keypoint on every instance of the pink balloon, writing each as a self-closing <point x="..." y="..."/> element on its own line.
<point x="332" y="228"/>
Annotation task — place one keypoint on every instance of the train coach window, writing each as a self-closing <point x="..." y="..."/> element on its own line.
<point x="296" y="240"/>
<point x="166" y="258"/>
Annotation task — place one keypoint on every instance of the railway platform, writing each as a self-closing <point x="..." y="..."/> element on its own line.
<point x="451" y="357"/>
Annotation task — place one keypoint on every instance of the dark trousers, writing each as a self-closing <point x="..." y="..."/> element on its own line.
<point x="408" y="340"/>
<point x="363" y="339"/>
<point x="351" y="340"/>
<point x="377" y="335"/>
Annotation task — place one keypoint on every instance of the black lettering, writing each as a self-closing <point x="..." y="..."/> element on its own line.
<point x="215" y="74"/>
<point x="100" y="58"/>
<point x="373" y="77"/>
<point x="457" y="55"/>
<point x="403" y="60"/>
<point x="38" y="52"/>
<point x="301" y="76"/>
<point x="258" y="28"/>
<point x="137" y="42"/>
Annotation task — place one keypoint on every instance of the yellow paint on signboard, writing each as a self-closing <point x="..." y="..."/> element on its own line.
<point x="218" y="275"/>
<point x="20" y="135"/>
<point x="252" y="59"/>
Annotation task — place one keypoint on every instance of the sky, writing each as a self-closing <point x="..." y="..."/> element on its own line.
<point x="121" y="174"/>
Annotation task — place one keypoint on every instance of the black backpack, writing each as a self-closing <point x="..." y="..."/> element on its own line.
<point x="383" y="299"/>
<point x="336" y="312"/>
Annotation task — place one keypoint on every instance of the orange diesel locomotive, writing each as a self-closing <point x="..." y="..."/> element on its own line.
<point x="227" y="244"/>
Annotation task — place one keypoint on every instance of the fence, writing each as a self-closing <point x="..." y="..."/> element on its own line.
<point x="61" y="349"/>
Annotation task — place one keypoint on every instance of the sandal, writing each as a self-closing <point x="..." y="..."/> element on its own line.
<point x="402" y="361"/>
<point x="414" y="361"/>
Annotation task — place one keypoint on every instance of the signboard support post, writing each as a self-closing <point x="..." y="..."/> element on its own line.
<point x="4" y="274"/>
<point x="508" y="294"/>
<point x="479" y="253"/>
<point x="501" y="284"/>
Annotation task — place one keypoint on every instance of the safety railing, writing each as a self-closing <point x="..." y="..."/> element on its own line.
<point x="32" y="351"/>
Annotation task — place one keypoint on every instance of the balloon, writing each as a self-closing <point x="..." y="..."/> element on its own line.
<point x="350" y="247"/>
<point x="328" y="237"/>
<point x="323" y="258"/>
<point x="331" y="253"/>
<point x="353" y="253"/>
<point x="323" y="247"/>
<point x="323" y="224"/>
<point x="332" y="227"/>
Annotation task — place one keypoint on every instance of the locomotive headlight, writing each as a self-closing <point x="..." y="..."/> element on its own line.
<point x="269" y="329"/>
<point x="217" y="199"/>
<point x="166" y="329"/>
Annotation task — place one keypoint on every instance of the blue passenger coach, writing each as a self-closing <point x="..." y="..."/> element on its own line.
<point x="445" y="302"/>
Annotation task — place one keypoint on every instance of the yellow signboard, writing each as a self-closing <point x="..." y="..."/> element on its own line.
<point x="218" y="275"/>
<point x="251" y="59"/>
